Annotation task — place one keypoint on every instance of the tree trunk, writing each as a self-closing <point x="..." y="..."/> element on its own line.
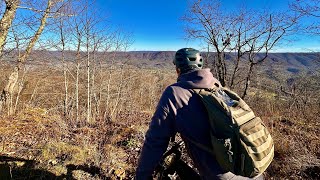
<point x="88" y="85"/>
<point x="78" y="57"/>
<point x="7" y="92"/>
<point x="77" y="91"/>
<point x="65" y="109"/>
<point x="247" y="81"/>
<point x="221" y="68"/>
<point x="6" y="21"/>
<point x="5" y="24"/>
<point x="37" y="34"/>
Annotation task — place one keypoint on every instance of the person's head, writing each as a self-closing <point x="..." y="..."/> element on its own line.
<point x="187" y="59"/>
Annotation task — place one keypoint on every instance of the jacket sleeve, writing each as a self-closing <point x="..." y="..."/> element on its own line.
<point x="158" y="136"/>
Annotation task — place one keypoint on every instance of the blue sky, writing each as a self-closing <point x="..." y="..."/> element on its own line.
<point x="156" y="25"/>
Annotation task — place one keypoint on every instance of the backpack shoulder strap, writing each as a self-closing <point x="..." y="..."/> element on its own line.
<point x="214" y="87"/>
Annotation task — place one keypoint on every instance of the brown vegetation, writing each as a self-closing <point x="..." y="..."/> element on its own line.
<point x="40" y="141"/>
<point x="40" y="131"/>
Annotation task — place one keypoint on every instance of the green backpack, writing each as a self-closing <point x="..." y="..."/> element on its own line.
<point x="241" y="142"/>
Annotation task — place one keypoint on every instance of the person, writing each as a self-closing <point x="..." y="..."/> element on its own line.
<point x="180" y="110"/>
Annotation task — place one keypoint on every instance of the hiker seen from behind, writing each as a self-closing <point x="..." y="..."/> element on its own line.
<point x="222" y="136"/>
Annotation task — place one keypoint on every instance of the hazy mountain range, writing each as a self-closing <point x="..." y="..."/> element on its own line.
<point x="290" y="62"/>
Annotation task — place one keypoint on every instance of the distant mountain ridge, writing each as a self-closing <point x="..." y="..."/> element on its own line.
<point x="291" y="60"/>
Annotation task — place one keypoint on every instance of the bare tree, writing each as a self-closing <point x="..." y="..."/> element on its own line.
<point x="8" y="90"/>
<point x="85" y="29"/>
<point x="206" y="22"/>
<point x="63" y="29"/>
<point x="6" y="21"/>
<point x="245" y="34"/>
<point x="37" y="34"/>
<point x="308" y="9"/>
<point x="76" y="27"/>
<point x="272" y="27"/>
<point x="78" y="35"/>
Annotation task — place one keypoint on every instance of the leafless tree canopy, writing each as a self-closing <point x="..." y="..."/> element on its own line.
<point x="244" y="32"/>
<point x="311" y="10"/>
<point x="57" y="25"/>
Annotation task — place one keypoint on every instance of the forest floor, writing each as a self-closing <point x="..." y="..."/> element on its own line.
<point x="37" y="145"/>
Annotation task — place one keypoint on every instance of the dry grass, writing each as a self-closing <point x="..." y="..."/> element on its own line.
<point x="108" y="148"/>
<point x="295" y="133"/>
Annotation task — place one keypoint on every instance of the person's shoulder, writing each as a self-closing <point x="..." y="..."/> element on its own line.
<point x="169" y="89"/>
<point x="172" y="90"/>
<point x="174" y="87"/>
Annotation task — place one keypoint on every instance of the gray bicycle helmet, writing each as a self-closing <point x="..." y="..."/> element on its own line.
<point x="187" y="59"/>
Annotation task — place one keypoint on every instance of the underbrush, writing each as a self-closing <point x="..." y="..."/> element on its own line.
<point x="37" y="145"/>
<point x="295" y="133"/>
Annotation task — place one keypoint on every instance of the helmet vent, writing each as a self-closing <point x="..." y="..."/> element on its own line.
<point x="192" y="59"/>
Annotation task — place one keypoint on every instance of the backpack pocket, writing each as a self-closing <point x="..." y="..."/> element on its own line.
<point x="257" y="147"/>
<point x="223" y="151"/>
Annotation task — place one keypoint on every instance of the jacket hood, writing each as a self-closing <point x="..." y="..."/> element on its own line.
<point x="197" y="79"/>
